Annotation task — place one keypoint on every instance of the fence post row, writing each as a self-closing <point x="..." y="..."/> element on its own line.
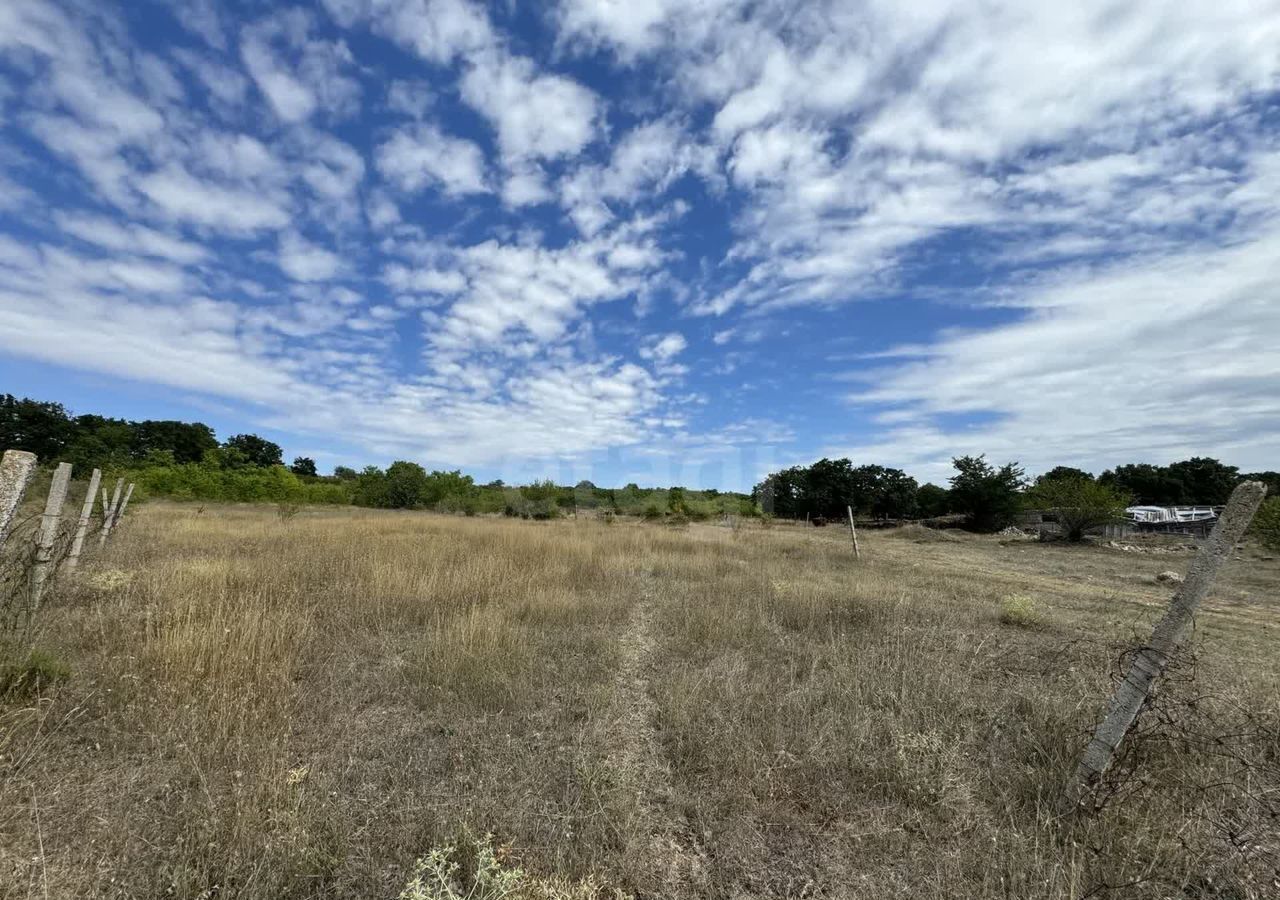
<point x="48" y="534"/>
<point x="1150" y="661"/>
<point x="82" y="527"/>
<point x="16" y="469"/>
<point x="109" y="512"/>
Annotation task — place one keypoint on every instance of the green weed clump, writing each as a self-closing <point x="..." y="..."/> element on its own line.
<point x="1020" y="611"/>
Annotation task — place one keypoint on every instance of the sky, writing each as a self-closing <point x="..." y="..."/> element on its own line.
<point x="663" y="241"/>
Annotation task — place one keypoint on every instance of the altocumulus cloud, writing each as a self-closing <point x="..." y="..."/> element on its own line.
<point x="467" y="233"/>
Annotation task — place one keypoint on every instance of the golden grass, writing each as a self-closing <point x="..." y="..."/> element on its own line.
<point x="261" y="708"/>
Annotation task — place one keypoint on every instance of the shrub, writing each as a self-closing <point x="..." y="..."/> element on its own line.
<point x="652" y="512"/>
<point x="1266" y="524"/>
<point x="1020" y="610"/>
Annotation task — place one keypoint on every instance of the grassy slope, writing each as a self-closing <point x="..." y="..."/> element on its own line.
<point x="268" y="709"/>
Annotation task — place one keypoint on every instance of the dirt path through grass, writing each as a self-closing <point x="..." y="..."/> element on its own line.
<point x="671" y="855"/>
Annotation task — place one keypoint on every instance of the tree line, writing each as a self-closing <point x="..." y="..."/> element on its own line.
<point x="990" y="497"/>
<point x="185" y="460"/>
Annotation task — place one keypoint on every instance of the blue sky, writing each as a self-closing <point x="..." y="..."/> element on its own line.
<point x="670" y="242"/>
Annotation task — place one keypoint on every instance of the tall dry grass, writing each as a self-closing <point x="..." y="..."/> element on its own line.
<point x="268" y="708"/>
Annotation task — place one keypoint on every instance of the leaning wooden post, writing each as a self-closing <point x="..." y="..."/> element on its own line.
<point x="82" y="527"/>
<point x="124" y="504"/>
<point x="16" y="469"/>
<point x="853" y="533"/>
<point x="1150" y="661"/>
<point x="109" y="512"/>
<point x="48" y="535"/>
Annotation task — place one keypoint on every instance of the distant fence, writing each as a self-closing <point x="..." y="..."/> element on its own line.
<point x="32" y="563"/>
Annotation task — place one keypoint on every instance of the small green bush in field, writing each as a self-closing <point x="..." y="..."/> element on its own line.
<point x="37" y="672"/>
<point x="1020" y="610"/>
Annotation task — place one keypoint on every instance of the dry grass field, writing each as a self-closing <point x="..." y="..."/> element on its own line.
<point x="269" y="708"/>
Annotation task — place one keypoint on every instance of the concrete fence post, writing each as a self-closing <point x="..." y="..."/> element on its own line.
<point x="1149" y="662"/>
<point x="16" y="469"/>
<point x="109" y="512"/>
<point x="82" y="527"/>
<point x="124" y="504"/>
<point x="48" y="535"/>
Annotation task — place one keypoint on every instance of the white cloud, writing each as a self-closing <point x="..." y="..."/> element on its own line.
<point x="304" y="261"/>
<point x="665" y="348"/>
<point x="422" y="155"/>
<point x="644" y="163"/>
<point x="1175" y="356"/>
<point x="305" y="75"/>
<point x="437" y="30"/>
<point x="537" y="116"/>
<point x="182" y="197"/>
<point x="129" y="238"/>
<point x="201" y="18"/>
<point x="292" y="100"/>
<point x="424" y="281"/>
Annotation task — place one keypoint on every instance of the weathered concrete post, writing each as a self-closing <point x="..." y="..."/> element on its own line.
<point x="16" y="470"/>
<point x="853" y="533"/>
<point x="1150" y="661"/>
<point x="109" y="512"/>
<point x="124" y="504"/>
<point x="48" y="535"/>
<point x="82" y="527"/>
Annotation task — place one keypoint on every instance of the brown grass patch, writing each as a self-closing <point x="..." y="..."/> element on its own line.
<point x="301" y="709"/>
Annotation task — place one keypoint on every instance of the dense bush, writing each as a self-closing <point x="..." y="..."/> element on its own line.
<point x="249" y="484"/>
<point x="1080" y="503"/>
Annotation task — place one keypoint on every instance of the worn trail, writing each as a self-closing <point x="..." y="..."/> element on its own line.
<point x="671" y="854"/>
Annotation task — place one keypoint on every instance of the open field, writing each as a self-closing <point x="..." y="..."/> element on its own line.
<point x="262" y="708"/>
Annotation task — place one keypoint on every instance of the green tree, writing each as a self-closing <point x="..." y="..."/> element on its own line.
<point x="188" y="441"/>
<point x="455" y="486"/>
<point x="345" y="473"/>
<point x="782" y="493"/>
<point x="1078" y="503"/>
<point x="988" y="496"/>
<point x="257" y="451"/>
<point x="303" y="466"/>
<point x="1064" y="473"/>
<point x="406" y="485"/>
<point x="932" y="500"/>
<point x="371" y="488"/>
<point x="1146" y="484"/>
<point x="677" y="502"/>
<point x="883" y="492"/>
<point x="1205" y="480"/>
<point x="44" y="429"/>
